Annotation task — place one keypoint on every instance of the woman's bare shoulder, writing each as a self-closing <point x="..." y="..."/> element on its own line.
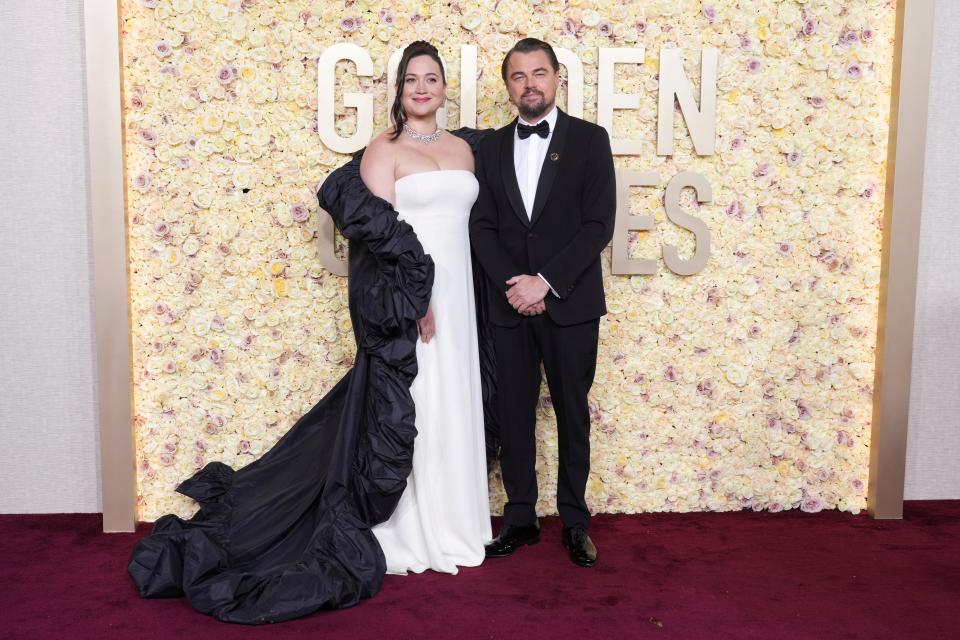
<point x="383" y="142"/>
<point x="382" y="150"/>
<point x="459" y="143"/>
<point x="461" y="148"/>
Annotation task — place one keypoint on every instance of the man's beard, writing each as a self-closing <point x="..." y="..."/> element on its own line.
<point x="531" y="112"/>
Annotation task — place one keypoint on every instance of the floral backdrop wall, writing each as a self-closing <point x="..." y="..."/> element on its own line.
<point x="747" y="385"/>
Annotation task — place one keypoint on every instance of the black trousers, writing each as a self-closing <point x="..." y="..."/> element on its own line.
<point x="569" y="357"/>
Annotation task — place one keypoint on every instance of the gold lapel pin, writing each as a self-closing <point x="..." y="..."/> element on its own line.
<point x="554" y="156"/>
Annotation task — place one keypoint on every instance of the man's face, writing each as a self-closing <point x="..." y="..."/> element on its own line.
<point x="532" y="84"/>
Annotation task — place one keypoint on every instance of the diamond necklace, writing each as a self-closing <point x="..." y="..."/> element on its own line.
<point x="425" y="138"/>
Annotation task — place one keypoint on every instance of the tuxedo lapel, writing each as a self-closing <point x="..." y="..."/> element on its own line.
<point x="509" y="174"/>
<point x="551" y="164"/>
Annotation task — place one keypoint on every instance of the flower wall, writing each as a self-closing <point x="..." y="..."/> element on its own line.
<point x="746" y="385"/>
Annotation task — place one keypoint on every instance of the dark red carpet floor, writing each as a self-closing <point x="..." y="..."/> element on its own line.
<point x="696" y="575"/>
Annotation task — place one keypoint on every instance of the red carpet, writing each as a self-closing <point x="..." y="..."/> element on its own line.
<point x="697" y="575"/>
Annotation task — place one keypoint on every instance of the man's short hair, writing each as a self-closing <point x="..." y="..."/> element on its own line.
<point x="528" y="45"/>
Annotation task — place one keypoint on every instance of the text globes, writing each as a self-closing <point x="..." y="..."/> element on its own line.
<point x="673" y="85"/>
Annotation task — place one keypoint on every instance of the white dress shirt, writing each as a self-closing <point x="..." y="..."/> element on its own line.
<point x="528" y="157"/>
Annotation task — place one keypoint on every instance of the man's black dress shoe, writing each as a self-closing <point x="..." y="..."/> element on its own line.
<point x="581" y="547"/>
<point x="512" y="538"/>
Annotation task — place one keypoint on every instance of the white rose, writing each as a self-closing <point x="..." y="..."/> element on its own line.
<point x="736" y="374"/>
<point x="862" y="371"/>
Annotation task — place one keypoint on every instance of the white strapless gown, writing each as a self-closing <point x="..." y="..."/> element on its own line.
<point x="443" y="518"/>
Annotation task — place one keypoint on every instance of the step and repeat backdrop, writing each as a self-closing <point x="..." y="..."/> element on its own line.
<point x="735" y="367"/>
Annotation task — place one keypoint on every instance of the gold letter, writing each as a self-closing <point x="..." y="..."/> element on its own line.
<point x="685" y="221"/>
<point x="468" y="85"/>
<point x="702" y="123"/>
<point x="622" y="264"/>
<point x="362" y="102"/>
<point x="325" y="246"/>
<point x="607" y="100"/>
<point x="574" y="68"/>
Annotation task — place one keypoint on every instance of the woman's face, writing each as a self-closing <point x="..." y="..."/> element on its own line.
<point x="423" y="87"/>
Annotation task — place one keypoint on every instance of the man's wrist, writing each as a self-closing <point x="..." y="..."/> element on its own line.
<point x="552" y="290"/>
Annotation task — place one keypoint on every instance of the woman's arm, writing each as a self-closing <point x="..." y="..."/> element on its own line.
<point x="378" y="169"/>
<point x="405" y="270"/>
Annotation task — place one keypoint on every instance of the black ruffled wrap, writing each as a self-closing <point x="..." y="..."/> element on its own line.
<point x="290" y="533"/>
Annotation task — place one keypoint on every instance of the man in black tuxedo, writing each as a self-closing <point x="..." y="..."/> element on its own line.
<point x="544" y="213"/>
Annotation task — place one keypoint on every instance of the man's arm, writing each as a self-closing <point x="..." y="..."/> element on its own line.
<point x="599" y="207"/>
<point x="483" y="233"/>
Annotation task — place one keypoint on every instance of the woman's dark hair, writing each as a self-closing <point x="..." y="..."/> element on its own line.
<point x="414" y="49"/>
<point x="528" y="45"/>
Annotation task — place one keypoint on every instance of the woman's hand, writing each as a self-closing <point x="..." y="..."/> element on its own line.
<point x="427" y="326"/>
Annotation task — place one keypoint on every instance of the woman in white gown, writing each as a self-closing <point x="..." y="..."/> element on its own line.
<point x="443" y="518"/>
<point x="387" y="471"/>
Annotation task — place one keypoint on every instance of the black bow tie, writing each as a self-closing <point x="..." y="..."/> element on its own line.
<point x="542" y="129"/>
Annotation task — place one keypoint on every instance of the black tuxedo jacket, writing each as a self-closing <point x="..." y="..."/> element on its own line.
<point x="572" y="221"/>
